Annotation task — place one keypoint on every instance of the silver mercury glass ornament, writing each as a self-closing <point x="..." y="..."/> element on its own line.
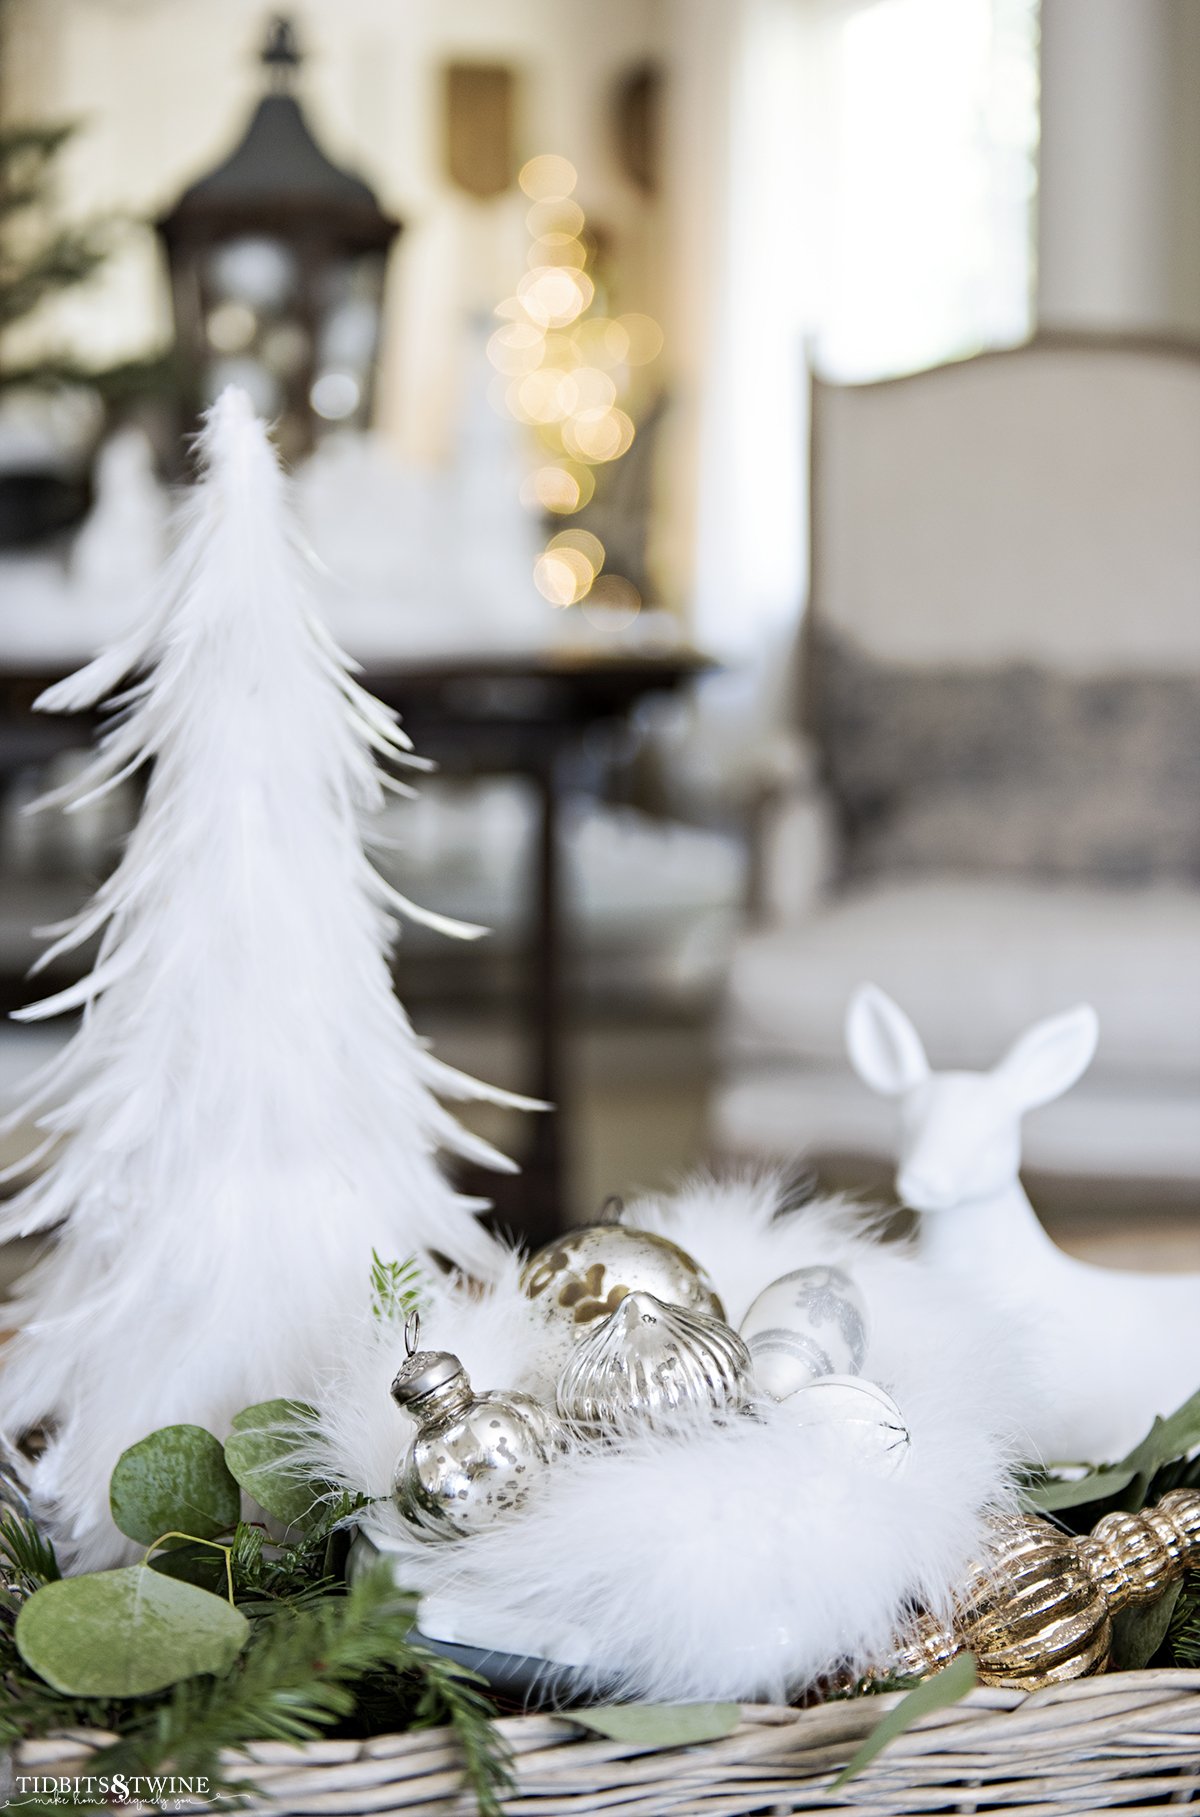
<point x="653" y="1365"/>
<point x="579" y="1280"/>
<point x="474" y="1458"/>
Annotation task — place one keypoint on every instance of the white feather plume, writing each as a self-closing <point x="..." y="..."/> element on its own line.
<point x="245" y="1110"/>
<point x="738" y="1561"/>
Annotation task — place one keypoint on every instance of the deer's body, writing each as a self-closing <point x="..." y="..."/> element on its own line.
<point x="1107" y="1349"/>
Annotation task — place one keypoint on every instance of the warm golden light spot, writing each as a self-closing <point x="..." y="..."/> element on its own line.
<point x="584" y="478"/>
<point x="551" y="489"/>
<point x="562" y="351"/>
<point x="554" y="216"/>
<point x="616" y="342"/>
<point x="554" y="295"/>
<point x="592" y="339"/>
<point x="557" y="249"/>
<point x="562" y="576"/>
<point x="593" y="389"/>
<point x="537" y="398"/>
<point x="598" y="435"/>
<point x="548" y="177"/>
<point x="613" y="603"/>
<point x="584" y="543"/>
<point x="516" y="348"/>
<point x="645" y="338"/>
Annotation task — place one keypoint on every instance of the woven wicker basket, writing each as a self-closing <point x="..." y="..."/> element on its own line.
<point x="1103" y="1744"/>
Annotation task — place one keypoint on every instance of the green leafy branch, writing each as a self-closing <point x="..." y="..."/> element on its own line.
<point x="229" y="1630"/>
<point x="1159" y="1462"/>
<point x="300" y="1677"/>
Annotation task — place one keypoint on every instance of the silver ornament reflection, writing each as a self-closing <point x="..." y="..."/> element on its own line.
<point x="474" y="1458"/>
<point x="866" y="1420"/>
<point x="655" y="1365"/>
<point x="809" y="1323"/>
<point x="576" y="1282"/>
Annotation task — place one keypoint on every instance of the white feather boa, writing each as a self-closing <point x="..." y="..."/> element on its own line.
<point x="735" y="1561"/>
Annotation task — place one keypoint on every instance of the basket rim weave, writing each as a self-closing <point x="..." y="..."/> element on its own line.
<point x="1107" y="1743"/>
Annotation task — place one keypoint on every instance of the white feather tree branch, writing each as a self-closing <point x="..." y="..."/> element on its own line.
<point x="245" y="1110"/>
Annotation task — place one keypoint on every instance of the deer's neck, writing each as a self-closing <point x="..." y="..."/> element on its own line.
<point x="998" y="1234"/>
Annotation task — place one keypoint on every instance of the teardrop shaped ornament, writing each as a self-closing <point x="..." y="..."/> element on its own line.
<point x="653" y="1365"/>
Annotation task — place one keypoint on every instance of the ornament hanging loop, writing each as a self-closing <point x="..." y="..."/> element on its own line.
<point x="412" y="1333"/>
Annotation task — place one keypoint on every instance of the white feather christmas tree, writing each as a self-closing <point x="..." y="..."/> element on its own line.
<point x="245" y="1111"/>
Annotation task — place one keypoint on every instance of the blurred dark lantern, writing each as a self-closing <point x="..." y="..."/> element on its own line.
<point x="277" y="262"/>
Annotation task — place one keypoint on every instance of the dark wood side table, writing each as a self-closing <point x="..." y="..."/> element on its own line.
<point x="485" y="715"/>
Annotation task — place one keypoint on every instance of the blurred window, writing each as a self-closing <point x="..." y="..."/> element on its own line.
<point x="933" y="167"/>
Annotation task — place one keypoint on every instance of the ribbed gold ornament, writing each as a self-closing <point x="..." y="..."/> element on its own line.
<point x="1038" y="1607"/>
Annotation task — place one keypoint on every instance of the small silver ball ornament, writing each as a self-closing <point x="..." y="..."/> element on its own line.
<point x="474" y="1458"/>
<point x="653" y="1365"/>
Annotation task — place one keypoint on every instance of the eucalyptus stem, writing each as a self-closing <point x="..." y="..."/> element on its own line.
<point x="197" y="1541"/>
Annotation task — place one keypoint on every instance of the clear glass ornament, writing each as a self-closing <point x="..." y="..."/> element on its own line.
<point x="860" y="1416"/>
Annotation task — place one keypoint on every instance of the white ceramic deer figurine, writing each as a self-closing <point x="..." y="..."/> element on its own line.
<point x="1108" y="1349"/>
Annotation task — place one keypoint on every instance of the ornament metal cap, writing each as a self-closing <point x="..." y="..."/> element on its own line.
<point x="423" y="1371"/>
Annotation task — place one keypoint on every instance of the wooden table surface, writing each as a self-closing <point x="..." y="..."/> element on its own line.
<point x="491" y="714"/>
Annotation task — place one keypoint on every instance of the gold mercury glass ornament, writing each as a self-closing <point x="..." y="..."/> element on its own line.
<point x="1037" y="1609"/>
<point x="577" y="1281"/>
<point x="652" y="1365"/>
<point x="474" y="1458"/>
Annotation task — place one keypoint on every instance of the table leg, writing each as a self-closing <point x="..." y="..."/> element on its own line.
<point x="544" y="1173"/>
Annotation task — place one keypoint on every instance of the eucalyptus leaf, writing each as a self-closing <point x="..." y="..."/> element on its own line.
<point x="1167" y="1440"/>
<point x="1056" y="1492"/>
<point x="660" y="1725"/>
<point x="126" y="1633"/>
<point x="174" y="1481"/>
<point x="946" y="1687"/>
<point x="260" y="1451"/>
<point x="1138" y="1633"/>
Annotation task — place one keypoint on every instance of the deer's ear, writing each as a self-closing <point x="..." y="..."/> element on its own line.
<point x="1048" y="1058"/>
<point x="885" y="1049"/>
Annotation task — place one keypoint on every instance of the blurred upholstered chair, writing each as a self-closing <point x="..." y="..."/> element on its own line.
<point x="995" y="810"/>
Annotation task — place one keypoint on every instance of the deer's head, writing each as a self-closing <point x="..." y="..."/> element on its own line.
<point x="961" y="1132"/>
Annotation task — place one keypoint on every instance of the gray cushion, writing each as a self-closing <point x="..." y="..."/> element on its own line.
<point x="1011" y="770"/>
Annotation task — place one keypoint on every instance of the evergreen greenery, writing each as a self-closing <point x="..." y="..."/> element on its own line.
<point x="39" y="261"/>
<point x="323" y="1655"/>
<point x="397" y="1288"/>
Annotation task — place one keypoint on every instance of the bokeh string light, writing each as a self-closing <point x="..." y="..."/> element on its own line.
<point x="563" y="372"/>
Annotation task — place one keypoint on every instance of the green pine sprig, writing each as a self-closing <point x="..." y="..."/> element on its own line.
<point x="27" y="1557"/>
<point x="1183" y="1635"/>
<point x="397" y="1288"/>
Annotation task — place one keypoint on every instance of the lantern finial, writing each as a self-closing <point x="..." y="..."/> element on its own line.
<point x="281" y="53"/>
